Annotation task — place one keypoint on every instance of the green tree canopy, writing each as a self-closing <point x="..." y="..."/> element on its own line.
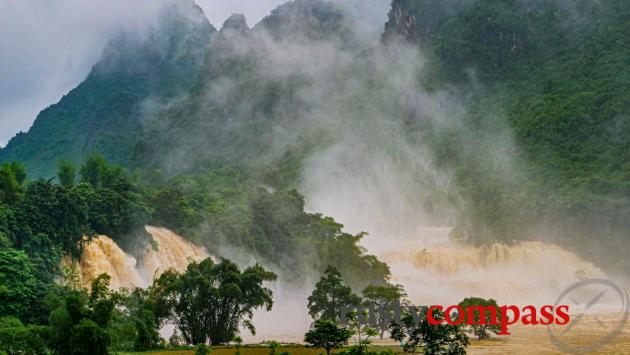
<point x="18" y="284"/>
<point x="331" y="297"/>
<point x="211" y="300"/>
<point x="381" y="300"/>
<point x="327" y="335"/>
<point x="78" y="326"/>
<point x="415" y="331"/>
<point x="12" y="177"/>
<point x="483" y="313"/>
<point x="17" y="339"/>
<point x="67" y="173"/>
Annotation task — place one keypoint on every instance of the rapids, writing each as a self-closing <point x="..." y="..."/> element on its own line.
<point x="169" y="251"/>
<point x="101" y="255"/>
<point x="435" y="270"/>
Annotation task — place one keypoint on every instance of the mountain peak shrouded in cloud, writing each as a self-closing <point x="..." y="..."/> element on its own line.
<point x="298" y="100"/>
<point x="236" y="22"/>
<point x="307" y="19"/>
<point x="104" y="113"/>
<point x="144" y="66"/>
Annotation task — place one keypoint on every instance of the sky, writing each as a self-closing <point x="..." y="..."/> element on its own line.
<point x="48" y="47"/>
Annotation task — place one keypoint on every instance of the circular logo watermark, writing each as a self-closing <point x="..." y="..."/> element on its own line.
<point x="584" y="296"/>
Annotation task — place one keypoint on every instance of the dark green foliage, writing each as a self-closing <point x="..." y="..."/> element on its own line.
<point x="66" y="174"/>
<point x="51" y="214"/>
<point x="95" y="171"/>
<point x="331" y="297"/>
<point x="491" y="324"/>
<point x="19" y="287"/>
<point x="11" y="179"/>
<point x="273" y="346"/>
<point x="43" y="221"/>
<point x="209" y="302"/>
<point x="552" y="73"/>
<point x="416" y="331"/>
<point x="88" y="338"/>
<point x="78" y="326"/>
<point x="147" y="336"/>
<point x="219" y="208"/>
<point x="203" y="349"/>
<point x="115" y="202"/>
<point x="104" y="113"/>
<point x="134" y="325"/>
<point x="17" y="339"/>
<point x="238" y="342"/>
<point x="553" y="78"/>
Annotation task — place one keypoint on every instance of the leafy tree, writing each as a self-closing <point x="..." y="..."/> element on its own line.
<point x="66" y="173"/>
<point x="147" y="335"/>
<point x="381" y="300"/>
<point x="12" y="177"/>
<point x="273" y="346"/>
<point x="17" y="339"/>
<point x="362" y="331"/>
<point x="328" y="335"/>
<point x="203" y="349"/>
<point x="415" y="331"/>
<point x="93" y="171"/>
<point x="56" y="214"/>
<point x="116" y="206"/>
<point x="331" y="297"/>
<point x="210" y="301"/>
<point x="483" y="313"/>
<point x="238" y="342"/>
<point x="175" y="339"/>
<point x="78" y="326"/>
<point x="18" y="284"/>
<point x="88" y="338"/>
<point x="18" y="171"/>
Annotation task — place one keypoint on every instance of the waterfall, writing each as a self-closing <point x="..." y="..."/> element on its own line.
<point x="168" y="251"/>
<point x="437" y="271"/>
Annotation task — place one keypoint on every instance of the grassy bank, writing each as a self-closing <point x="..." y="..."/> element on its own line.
<point x="257" y="350"/>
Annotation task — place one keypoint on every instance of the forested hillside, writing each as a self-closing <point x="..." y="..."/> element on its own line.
<point x="104" y="114"/>
<point x="556" y="73"/>
<point x="508" y="120"/>
<point x="536" y="146"/>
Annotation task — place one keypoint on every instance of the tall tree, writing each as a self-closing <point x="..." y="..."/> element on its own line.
<point x="331" y="297"/>
<point x="210" y="301"/>
<point x="382" y="300"/>
<point x="18" y="284"/>
<point x="67" y="173"/>
<point x="79" y="325"/>
<point x="93" y="170"/>
<point x="12" y="177"/>
<point x="17" y="339"/>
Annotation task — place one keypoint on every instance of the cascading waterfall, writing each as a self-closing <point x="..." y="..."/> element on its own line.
<point x="439" y="271"/>
<point x="169" y="251"/>
<point x="103" y="255"/>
